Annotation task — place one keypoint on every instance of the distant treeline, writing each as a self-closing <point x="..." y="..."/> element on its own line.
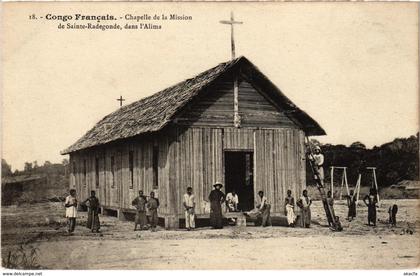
<point x="32" y="168"/>
<point x="395" y="161"/>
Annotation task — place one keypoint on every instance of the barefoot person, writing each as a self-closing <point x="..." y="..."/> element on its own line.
<point x="93" y="212"/>
<point x="264" y="209"/>
<point x="232" y="201"/>
<point x="71" y="210"/>
<point x="304" y="203"/>
<point x="330" y="202"/>
<point x="153" y="205"/>
<point x="189" y="205"/>
<point x="392" y="211"/>
<point x="140" y="204"/>
<point x="290" y="208"/>
<point x="351" y="203"/>
<point x="371" y="200"/>
<point x="216" y="198"/>
<point x="318" y="160"/>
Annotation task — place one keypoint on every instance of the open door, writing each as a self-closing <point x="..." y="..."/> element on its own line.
<point x="239" y="167"/>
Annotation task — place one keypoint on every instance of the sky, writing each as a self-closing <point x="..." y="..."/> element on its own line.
<point x="352" y="66"/>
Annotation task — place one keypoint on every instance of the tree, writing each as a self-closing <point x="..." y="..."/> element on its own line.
<point x="28" y="167"/>
<point x="358" y="145"/>
<point x="6" y="169"/>
<point x="65" y="162"/>
<point x="47" y="163"/>
<point x="315" y="142"/>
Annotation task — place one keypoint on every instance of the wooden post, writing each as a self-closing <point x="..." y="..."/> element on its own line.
<point x="345" y="181"/>
<point x="171" y="222"/>
<point x="236" y="117"/>
<point x="358" y="188"/>
<point x="120" y="215"/>
<point x="332" y="182"/>
<point x="376" y="183"/>
<point x="341" y="187"/>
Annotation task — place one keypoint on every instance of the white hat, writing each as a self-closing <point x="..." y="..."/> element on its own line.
<point x="218" y="183"/>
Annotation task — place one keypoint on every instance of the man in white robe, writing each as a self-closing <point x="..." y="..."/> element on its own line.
<point x="189" y="205"/>
<point x="232" y="201"/>
<point x="71" y="210"/>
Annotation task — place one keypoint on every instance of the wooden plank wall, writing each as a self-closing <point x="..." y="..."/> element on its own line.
<point x="257" y="111"/>
<point x="214" y="108"/>
<point x="194" y="157"/>
<point x="238" y="139"/>
<point x="120" y="195"/>
<point x="197" y="161"/>
<point x="279" y="164"/>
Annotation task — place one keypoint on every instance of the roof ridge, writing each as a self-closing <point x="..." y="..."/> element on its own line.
<point x="154" y="112"/>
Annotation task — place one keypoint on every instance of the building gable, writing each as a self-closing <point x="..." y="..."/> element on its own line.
<point x="214" y="107"/>
<point x="153" y="113"/>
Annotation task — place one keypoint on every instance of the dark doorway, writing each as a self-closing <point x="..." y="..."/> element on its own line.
<point x="239" y="167"/>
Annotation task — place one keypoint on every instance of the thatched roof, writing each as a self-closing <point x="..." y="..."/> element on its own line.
<point x="152" y="113"/>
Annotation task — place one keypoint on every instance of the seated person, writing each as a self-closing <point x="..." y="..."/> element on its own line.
<point x="261" y="211"/>
<point x="232" y="201"/>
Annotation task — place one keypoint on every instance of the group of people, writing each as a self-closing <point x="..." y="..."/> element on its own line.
<point x="93" y="206"/>
<point x="262" y="209"/>
<point x="147" y="216"/>
<point x="302" y="217"/>
<point x="93" y="209"/>
<point x="144" y="206"/>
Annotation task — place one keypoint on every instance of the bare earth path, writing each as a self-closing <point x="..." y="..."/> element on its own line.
<point x="271" y="253"/>
<point x="118" y="247"/>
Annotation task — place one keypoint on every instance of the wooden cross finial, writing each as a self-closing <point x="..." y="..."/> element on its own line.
<point x="231" y="23"/>
<point x="120" y="99"/>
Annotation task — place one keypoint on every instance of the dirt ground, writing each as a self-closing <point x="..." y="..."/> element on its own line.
<point x="358" y="246"/>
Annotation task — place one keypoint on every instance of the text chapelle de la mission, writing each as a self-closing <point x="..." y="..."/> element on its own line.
<point x="108" y="17"/>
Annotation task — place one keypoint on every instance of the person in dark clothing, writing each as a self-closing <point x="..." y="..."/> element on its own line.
<point x="140" y="204"/>
<point x="371" y="200"/>
<point x="153" y="205"/>
<point x="393" y="214"/>
<point x="351" y="203"/>
<point x="216" y="198"/>
<point x="304" y="203"/>
<point x="263" y="210"/>
<point x="330" y="202"/>
<point x="93" y="212"/>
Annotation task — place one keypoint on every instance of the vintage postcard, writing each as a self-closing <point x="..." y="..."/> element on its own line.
<point x="210" y="135"/>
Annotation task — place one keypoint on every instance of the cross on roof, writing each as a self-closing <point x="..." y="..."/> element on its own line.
<point x="120" y="99"/>
<point x="231" y="23"/>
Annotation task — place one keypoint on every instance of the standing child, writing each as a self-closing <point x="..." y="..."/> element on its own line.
<point x="351" y="203"/>
<point x="371" y="200"/>
<point x="290" y="206"/>
<point x="393" y="214"/>
<point x="304" y="203"/>
<point x="331" y="214"/>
